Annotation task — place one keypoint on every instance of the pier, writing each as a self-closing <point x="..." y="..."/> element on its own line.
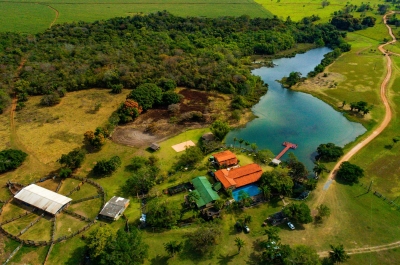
<point x="287" y="147"/>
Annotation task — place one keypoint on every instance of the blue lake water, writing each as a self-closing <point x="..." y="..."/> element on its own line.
<point x="251" y="189"/>
<point x="296" y="117"/>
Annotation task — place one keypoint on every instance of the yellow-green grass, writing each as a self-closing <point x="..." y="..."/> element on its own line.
<point x="68" y="185"/>
<point x="13" y="209"/>
<point x="4" y="131"/>
<point x="20" y="15"/>
<point x="49" y="184"/>
<point x="40" y="231"/>
<point x="7" y="247"/>
<point x="90" y="208"/>
<point x="86" y="190"/>
<point x="50" y="132"/>
<point x="25" y="17"/>
<point x="380" y="158"/>
<point x="69" y="252"/>
<point x="297" y="9"/>
<point x="16" y="226"/>
<point x="30" y="255"/>
<point x="387" y="257"/>
<point x="67" y="224"/>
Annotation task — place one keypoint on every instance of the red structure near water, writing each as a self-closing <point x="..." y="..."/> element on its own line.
<point x="287" y="147"/>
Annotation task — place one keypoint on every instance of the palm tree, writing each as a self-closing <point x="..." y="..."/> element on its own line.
<point x="319" y="168"/>
<point x="173" y="247"/>
<point x="266" y="191"/>
<point x="246" y="143"/>
<point x="272" y="234"/>
<point x="338" y="254"/>
<point x="254" y="147"/>
<point x="239" y="243"/>
<point x="234" y="142"/>
<point x="240" y="142"/>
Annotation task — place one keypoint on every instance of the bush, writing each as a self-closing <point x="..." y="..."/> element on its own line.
<point x="147" y="95"/>
<point x="170" y="97"/>
<point x="73" y="159"/>
<point x="11" y="159"/>
<point x="349" y="173"/>
<point x="65" y="173"/>
<point x="50" y="100"/>
<point x="107" y="167"/>
<point x="220" y="129"/>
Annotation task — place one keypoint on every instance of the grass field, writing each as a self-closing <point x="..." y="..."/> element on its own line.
<point x="19" y="15"/>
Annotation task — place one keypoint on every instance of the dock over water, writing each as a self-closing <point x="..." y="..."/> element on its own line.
<point x="287" y="147"/>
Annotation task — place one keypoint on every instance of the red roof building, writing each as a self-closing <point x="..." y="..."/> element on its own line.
<point x="238" y="177"/>
<point x="225" y="158"/>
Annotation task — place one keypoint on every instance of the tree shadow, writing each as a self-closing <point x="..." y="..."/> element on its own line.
<point x="159" y="260"/>
<point x="361" y="194"/>
<point x="223" y="260"/>
<point x="388" y="146"/>
<point x="78" y="257"/>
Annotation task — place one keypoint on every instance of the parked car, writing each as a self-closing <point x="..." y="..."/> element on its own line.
<point x="291" y="226"/>
<point x="246" y="229"/>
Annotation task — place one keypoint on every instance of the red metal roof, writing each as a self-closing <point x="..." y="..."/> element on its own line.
<point x="240" y="176"/>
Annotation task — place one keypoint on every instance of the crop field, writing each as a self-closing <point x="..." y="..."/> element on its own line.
<point x="19" y="15"/>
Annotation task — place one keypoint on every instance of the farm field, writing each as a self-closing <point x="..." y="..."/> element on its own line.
<point x="20" y="14"/>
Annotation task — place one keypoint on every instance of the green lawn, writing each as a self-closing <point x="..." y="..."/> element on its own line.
<point x="30" y="255"/>
<point x="40" y="231"/>
<point x="16" y="226"/>
<point x="86" y="190"/>
<point x="90" y="208"/>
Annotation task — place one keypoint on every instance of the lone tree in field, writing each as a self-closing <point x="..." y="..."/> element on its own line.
<point x="323" y="211"/>
<point x="300" y="212"/>
<point x="338" y="254"/>
<point x="73" y="159"/>
<point x="203" y="240"/>
<point x="239" y="243"/>
<point x="107" y="167"/>
<point x="349" y="173"/>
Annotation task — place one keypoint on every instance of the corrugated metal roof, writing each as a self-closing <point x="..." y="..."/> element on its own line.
<point x="114" y="207"/>
<point x="42" y="198"/>
<point x="206" y="193"/>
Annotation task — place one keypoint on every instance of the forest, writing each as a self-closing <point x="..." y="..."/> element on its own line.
<point x="193" y="52"/>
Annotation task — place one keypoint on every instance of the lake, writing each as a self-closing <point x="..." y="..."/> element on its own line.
<point x="296" y="117"/>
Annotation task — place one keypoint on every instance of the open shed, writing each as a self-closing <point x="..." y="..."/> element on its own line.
<point x="42" y="198"/>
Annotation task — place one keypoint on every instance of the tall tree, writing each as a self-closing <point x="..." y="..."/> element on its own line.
<point x="240" y="142"/>
<point x="349" y="172"/>
<point x="73" y="159"/>
<point x="203" y="240"/>
<point x="239" y="243"/>
<point x="329" y="152"/>
<point x="173" y="247"/>
<point x="338" y="254"/>
<point x="234" y="141"/>
<point x="273" y="234"/>
<point x="220" y="129"/>
<point x="300" y="212"/>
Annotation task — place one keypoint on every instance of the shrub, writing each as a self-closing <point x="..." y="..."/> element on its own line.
<point x="11" y="159"/>
<point x="50" y="100"/>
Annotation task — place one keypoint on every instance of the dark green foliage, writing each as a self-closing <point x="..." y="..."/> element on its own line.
<point x="195" y="52"/>
<point x="349" y="172"/>
<point x="147" y="95"/>
<point x="338" y="254"/>
<point x="65" y="173"/>
<point x="95" y="140"/>
<point x="368" y="21"/>
<point x="173" y="247"/>
<point x="116" y="89"/>
<point x="170" y="97"/>
<point x="329" y="152"/>
<point x="359" y="106"/>
<point x="107" y="167"/>
<point x="50" y="100"/>
<point x="299" y="212"/>
<point x="302" y="255"/>
<point x="11" y="159"/>
<point x="203" y="240"/>
<point x="293" y="78"/>
<point x="189" y="158"/>
<point x="4" y="100"/>
<point x="144" y="175"/>
<point x="73" y="159"/>
<point x="220" y="129"/>
<point x="330" y="57"/>
<point x="239" y="102"/>
<point x="160" y="213"/>
<point x="122" y="248"/>
<point x="277" y="182"/>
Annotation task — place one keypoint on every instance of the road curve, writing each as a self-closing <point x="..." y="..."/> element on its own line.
<point x="388" y="111"/>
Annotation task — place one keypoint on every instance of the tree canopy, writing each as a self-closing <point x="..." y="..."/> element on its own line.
<point x="300" y="212"/>
<point x="73" y="159"/>
<point x="203" y="240"/>
<point x="220" y="129"/>
<point x="11" y="159"/>
<point x="160" y="213"/>
<point x="329" y="152"/>
<point x="107" y="167"/>
<point x="349" y="172"/>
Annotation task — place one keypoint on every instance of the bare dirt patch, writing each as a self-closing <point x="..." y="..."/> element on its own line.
<point x="321" y="82"/>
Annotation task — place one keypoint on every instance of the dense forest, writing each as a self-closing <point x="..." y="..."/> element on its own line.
<point x="194" y="52"/>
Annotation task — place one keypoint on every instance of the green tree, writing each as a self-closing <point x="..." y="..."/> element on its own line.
<point x="329" y="152"/>
<point x="170" y="97"/>
<point x="349" y="172"/>
<point x="65" y="173"/>
<point x="107" y="167"/>
<point x="219" y="204"/>
<point x="203" y="240"/>
<point x="173" y="247"/>
<point x="300" y="212"/>
<point x="277" y="182"/>
<point x="323" y="211"/>
<point x="192" y="197"/>
<point x="240" y="142"/>
<point x="239" y="243"/>
<point x="338" y="254"/>
<point x="190" y="157"/>
<point x="319" y="168"/>
<point x="302" y="255"/>
<point x="234" y="141"/>
<point x="254" y="147"/>
<point x="50" y="99"/>
<point x="98" y="239"/>
<point x="161" y="213"/>
<point x="147" y="95"/>
<point x="273" y="234"/>
<point x="266" y="192"/>
<point x="141" y="181"/>
<point x="73" y="159"/>
<point x="293" y="78"/>
<point x="220" y="129"/>
<point x="11" y="159"/>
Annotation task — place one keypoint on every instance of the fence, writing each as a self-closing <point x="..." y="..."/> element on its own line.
<point x="30" y="225"/>
<point x="12" y="254"/>
<point x="86" y="199"/>
<point x="391" y="202"/>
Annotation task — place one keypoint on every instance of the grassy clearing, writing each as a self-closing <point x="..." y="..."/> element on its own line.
<point x="13" y="209"/>
<point x="86" y="190"/>
<point x="30" y="255"/>
<point x="67" y="224"/>
<point x="68" y="185"/>
<point x="387" y="257"/>
<point x="49" y="184"/>
<point x="7" y="246"/>
<point x="39" y="231"/>
<point x="51" y="132"/>
<point x="16" y="226"/>
<point x="18" y="17"/>
<point x="90" y="208"/>
<point x="68" y="252"/>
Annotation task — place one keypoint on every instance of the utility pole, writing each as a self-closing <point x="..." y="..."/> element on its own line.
<point x="369" y="188"/>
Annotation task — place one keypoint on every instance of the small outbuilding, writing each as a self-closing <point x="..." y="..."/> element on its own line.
<point x="44" y="199"/>
<point x="208" y="137"/>
<point x="154" y="147"/>
<point x="276" y="161"/>
<point x="114" y="208"/>
<point x="225" y="158"/>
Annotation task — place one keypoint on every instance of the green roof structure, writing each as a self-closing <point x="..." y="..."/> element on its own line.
<point x="204" y="189"/>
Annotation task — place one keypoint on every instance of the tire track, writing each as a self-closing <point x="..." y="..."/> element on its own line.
<point x="57" y="15"/>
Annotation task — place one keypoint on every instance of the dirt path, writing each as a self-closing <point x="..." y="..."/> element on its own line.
<point x="359" y="146"/>
<point x="388" y="111"/>
<point x="57" y="15"/>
